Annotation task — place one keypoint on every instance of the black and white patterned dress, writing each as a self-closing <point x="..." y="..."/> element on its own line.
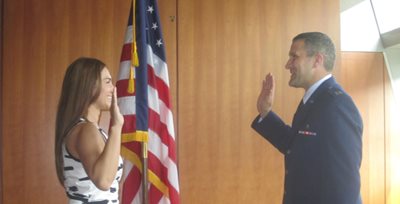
<point x="79" y="188"/>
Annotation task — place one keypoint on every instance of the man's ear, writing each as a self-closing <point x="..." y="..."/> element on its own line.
<point x="319" y="60"/>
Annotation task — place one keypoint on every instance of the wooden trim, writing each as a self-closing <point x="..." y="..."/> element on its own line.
<point x="1" y="100"/>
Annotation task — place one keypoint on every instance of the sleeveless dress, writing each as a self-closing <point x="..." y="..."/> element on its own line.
<point x="79" y="188"/>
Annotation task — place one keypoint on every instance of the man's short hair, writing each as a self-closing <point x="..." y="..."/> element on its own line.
<point x="316" y="42"/>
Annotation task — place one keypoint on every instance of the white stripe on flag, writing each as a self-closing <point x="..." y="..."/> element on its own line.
<point x="127" y="105"/>
<point x="124" y="70"/>
<point x="160" y="150"/>
<point x="127" y="168"/>
<point x="138" y="197"/>
<point x="163" y="111"/>
<point x="164" y="200"/>
<point x="160" y="67"/>
<point x="128" y="35"/>
<point x="173" y="174"/>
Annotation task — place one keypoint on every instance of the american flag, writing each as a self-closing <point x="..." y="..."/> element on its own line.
<point x="147" y="111"/>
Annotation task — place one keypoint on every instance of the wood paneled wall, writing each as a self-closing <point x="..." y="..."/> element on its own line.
<point x="392" y="144"/>
<point x="217" y="52"/>
<point x="366" y="79"/>
<point x="363" y="76"/>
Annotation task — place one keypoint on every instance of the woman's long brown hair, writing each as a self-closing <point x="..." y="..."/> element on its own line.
<point x="81" y="87"/>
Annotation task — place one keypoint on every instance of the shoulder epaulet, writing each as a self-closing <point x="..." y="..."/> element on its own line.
<point x="335" y="91"/>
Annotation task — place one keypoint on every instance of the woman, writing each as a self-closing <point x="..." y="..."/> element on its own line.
<point x="88" y="161"/>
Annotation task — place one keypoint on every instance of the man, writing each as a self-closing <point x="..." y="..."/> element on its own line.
<point x="323" y="145"/>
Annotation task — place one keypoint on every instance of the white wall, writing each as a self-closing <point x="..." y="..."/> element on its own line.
<point x="360" y="33"/>
<point x="392" y="58"/>
<point x="358" y="28"/>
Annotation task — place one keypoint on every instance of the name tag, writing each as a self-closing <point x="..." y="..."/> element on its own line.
<point x="307" y="133"/>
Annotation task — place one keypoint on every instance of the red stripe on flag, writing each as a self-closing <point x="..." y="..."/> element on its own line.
<point x="135" y="147"/>
<point x="162" y="172"/>
<point x="161" y="129"/>
<point x="155" y="195"/>
<point x="126" y="52"/>
<point x="159" y="84"/>
<point x="122" y="89"/>
<point x="129" y="124"/>
<point x="132" y="182"/>
<point x="173" y="194"/>
<point x="158" y="168"/>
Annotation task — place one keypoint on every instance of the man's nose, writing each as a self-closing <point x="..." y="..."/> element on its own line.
<point x="288" y="63"/>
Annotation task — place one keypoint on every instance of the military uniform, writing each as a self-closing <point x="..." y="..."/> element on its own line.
<point x="322" y="148"/>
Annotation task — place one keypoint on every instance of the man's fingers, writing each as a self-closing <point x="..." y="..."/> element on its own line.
<point x="268" y="82"/>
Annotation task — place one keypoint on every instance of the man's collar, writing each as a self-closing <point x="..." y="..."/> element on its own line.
<point x="314" y="87"/>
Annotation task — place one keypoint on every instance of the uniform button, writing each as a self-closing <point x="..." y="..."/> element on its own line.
<point x="308" y="126"/>
<point x="288" y="151"/>
<point x="287" y="172"/>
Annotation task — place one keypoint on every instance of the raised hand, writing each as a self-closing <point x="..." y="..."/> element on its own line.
<point x="116" y="117"/>
<point x="267" y="94"/>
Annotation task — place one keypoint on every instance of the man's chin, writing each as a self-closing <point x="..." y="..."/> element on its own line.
<point x="293" y="84"/>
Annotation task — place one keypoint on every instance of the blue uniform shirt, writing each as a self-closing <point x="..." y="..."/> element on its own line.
<point x="322" y="147"/>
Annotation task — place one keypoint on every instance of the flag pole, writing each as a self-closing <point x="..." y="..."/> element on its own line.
<point x="144" y="170"/>
<point x="131" y="87"/>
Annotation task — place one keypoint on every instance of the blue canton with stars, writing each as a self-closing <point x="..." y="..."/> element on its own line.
<point x="152" y="26"/>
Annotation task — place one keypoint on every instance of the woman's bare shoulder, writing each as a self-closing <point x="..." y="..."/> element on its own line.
<point x="84" y="135"/>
